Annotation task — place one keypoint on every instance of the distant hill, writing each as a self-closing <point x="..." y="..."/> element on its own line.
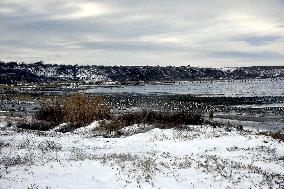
<point x="13" y="72"/>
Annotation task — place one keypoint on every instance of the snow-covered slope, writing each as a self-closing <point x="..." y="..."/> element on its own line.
<point x="201" y="157"/>
<point x="40" y="72"/>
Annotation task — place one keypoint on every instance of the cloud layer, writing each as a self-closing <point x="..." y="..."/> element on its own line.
<point x="208" y="33"/>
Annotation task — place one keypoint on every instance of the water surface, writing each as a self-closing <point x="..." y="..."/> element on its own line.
<point x="229" y="88"/>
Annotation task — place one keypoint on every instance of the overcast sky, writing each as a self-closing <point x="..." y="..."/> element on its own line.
<point x="206" y="33"/>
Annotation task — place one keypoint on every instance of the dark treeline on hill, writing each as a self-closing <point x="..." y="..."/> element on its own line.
<point x="13" y="72"/>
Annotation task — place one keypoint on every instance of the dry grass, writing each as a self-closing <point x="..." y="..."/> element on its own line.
<point x="81" y="109"/>
<point x="24" y="97"/>
<point x="51" y="110"/>
<point x="163" y="120"/>
<point x="35" y="125"/>
<point x="78" y="110"/>
<point x="275" y="135"/>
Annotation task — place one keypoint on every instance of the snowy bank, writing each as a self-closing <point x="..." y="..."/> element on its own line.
<point x="200" y="157"/>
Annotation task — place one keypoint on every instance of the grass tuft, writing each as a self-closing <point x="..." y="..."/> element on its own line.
<point x="78" y="110"/>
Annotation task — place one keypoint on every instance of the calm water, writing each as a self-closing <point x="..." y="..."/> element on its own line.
<point x="256" y="87"/>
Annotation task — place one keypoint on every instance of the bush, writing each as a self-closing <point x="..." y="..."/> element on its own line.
<point x="36" y="125"/>
<point x="275" y="135"/>
<point x="112" y="126"/>
<point x="51" y="111"/>
<point x="161" y="120"/>
<point x="82" y="110"/>
<point x="78" y="110"/>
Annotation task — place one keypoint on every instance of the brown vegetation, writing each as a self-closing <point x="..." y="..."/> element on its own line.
<point x="35" y="125"/>
<point x="275" y="135"/>
<point x="161" y="120"/>
<point x="77" y="109"/>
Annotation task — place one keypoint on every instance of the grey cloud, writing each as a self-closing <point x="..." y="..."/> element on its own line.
<point x="130" y="46"/>
<point x="101" y="27"/>
<point x="263" y="55"/>
<point x="260" y="40"/>
<point x="139" y="26"/>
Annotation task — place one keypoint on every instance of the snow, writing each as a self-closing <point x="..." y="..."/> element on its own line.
<point x="60" y="127"/>
<point x="88" y="128"/>
<point x="199" y="157"/>
<point x="275" y="105"/>
<point x="136" y="128"/>
<point x="87" y="74"/>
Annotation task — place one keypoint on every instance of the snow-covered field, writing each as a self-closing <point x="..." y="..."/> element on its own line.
<point x="199" y="157"/>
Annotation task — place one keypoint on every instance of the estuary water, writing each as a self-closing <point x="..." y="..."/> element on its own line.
<point x="228" y="88"/>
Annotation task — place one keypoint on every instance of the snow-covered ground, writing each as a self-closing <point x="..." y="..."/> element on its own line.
<point x="199" y="157"/>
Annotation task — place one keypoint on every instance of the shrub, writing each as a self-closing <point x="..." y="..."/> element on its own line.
<point x="81" y="110"/>
<point x="78" y="110"/>
<point x="275" y="135"/>
<point x="51" y="111"/>
<point x="36" y="125"/>
<point x="112" y="126"/>
<point x="161" y="120"/>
